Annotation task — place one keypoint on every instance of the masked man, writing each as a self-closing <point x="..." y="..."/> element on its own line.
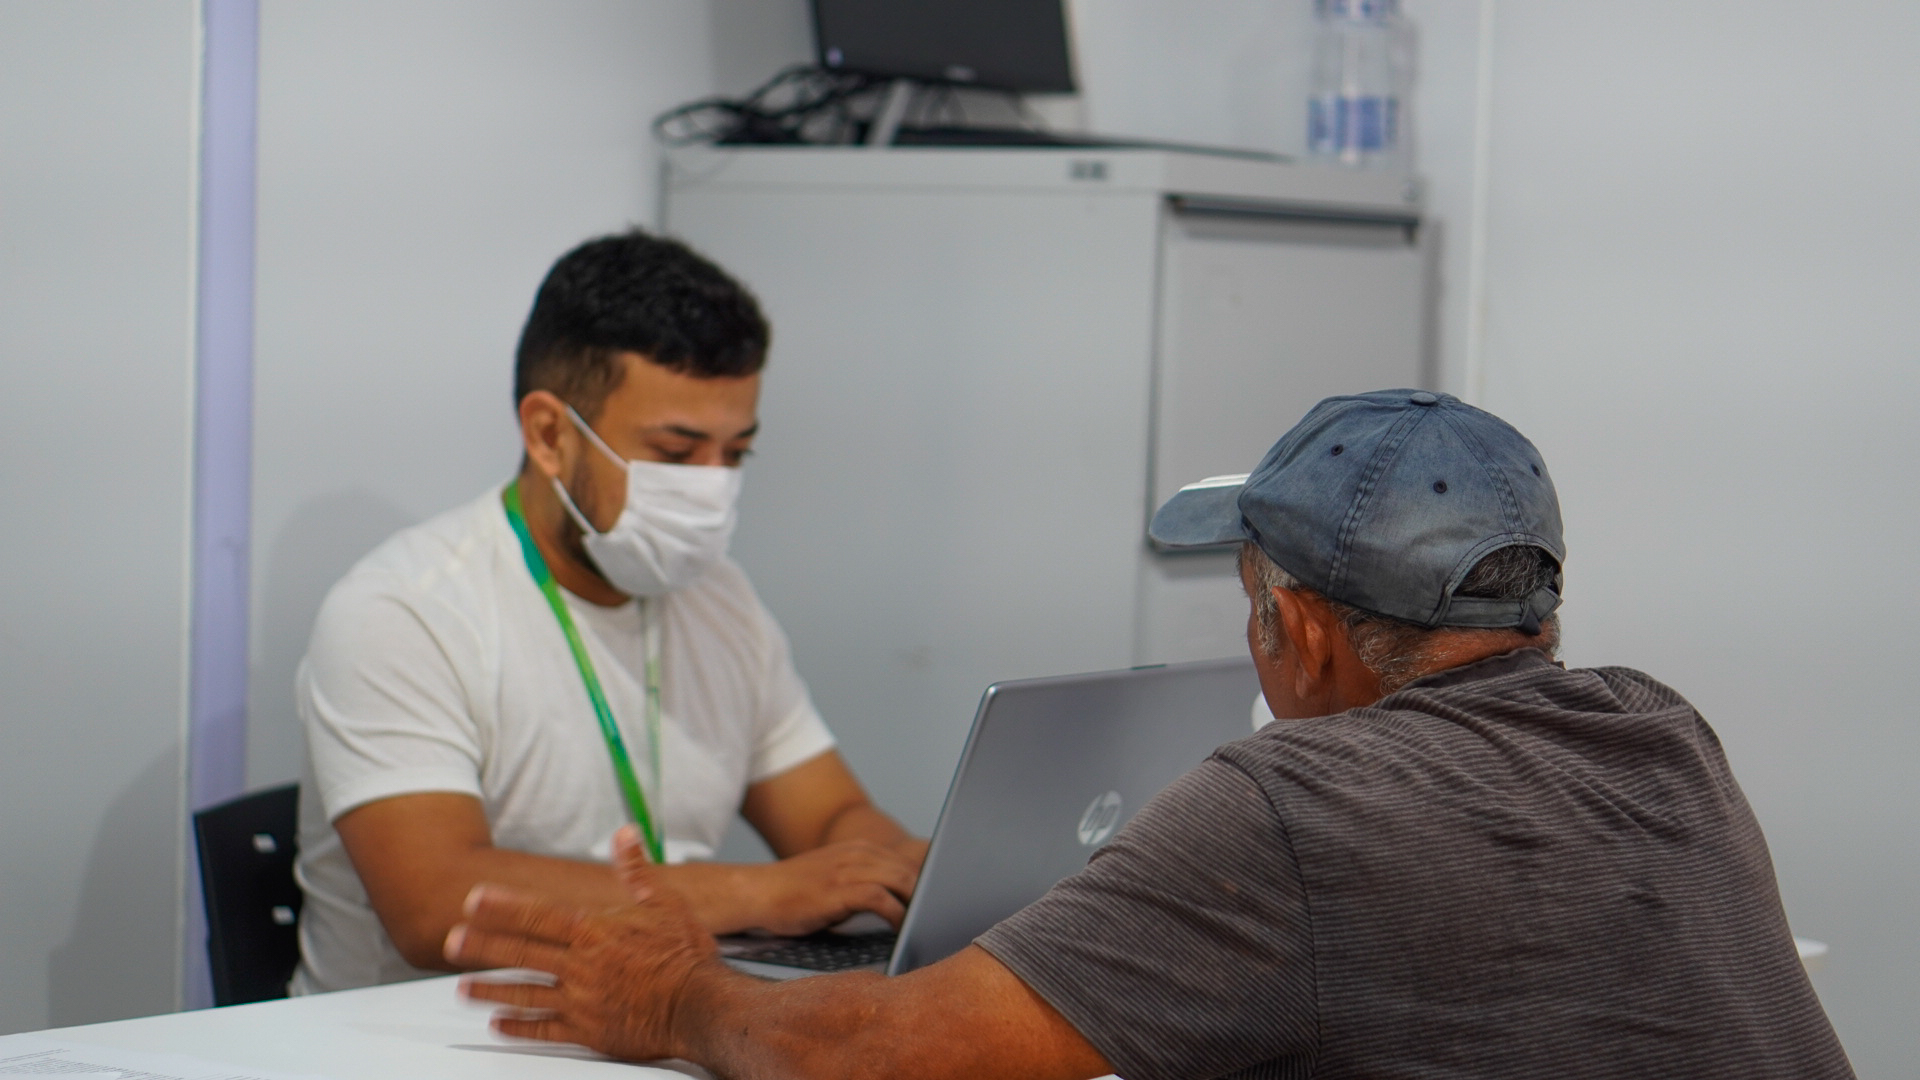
<point x="488" y="695"/>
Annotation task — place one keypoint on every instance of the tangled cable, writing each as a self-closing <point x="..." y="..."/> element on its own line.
<point x="801" y="104"/>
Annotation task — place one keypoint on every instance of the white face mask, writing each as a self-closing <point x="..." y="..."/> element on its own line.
<point x="677" y="522"/>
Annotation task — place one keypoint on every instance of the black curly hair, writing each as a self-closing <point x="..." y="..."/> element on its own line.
<point x="634" y="292"/>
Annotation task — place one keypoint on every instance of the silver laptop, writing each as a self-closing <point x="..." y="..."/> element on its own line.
<point x="1052" y="768"/>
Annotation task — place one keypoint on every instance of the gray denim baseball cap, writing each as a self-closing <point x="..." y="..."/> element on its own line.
<point x="1384" y="501"/>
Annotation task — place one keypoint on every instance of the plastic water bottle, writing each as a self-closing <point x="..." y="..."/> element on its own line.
<point x="1362" y="67"/>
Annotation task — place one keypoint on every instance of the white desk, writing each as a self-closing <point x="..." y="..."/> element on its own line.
<point x="408" y="1031"/>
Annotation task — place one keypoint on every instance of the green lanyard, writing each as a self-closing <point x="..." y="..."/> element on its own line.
<point x="616" y="744"/>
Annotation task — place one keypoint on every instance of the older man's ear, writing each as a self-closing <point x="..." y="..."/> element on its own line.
<point x="1315" y="661"/>
<point x="1309" y="667"/>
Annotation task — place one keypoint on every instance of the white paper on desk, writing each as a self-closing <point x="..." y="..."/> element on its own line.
<point x="32" y="1055"/>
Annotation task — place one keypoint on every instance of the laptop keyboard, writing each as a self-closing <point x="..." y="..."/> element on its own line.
<point x="823" y="951"/>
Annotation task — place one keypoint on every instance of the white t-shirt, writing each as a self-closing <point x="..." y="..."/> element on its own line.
<point x="436" y="665"/>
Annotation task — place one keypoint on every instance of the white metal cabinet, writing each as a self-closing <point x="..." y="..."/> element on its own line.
<point x="987" y="368"/>
<point x="1262" y="315"/>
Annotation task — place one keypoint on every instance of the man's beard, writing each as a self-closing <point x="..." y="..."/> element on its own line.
<point x="572" y="537"/>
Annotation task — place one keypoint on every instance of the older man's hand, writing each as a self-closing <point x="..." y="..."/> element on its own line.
<point x="616" y="974"/>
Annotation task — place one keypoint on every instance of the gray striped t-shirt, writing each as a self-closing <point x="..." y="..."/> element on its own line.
<point x="1508" y="869"/>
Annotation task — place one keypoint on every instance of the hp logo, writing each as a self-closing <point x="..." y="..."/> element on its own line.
<point x="1101" y="818"/>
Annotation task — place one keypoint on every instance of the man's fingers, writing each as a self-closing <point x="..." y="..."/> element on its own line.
<point x="914" y="850"/>
<point x="524" y="995"/>
<point x="890" y="871"/>
<point x="470" y="946"/>
<point x="632" y="865"/>
<point x="899" y="877"/>
<point x="881" y="902"/>
<point x="493" y="908"/>
<point x="550" y="1029"/>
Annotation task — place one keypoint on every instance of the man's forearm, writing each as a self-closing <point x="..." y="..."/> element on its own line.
<point x="970" y="1019"/>
<point x="419" y="928"/>
<point x="865" y="821"/>
<point x="817" y="803"/>
<point x="725" y="897"/>
<point x="420" y="855"/>
<point x="746" y="1028"/>
<point x="645" y="983"/>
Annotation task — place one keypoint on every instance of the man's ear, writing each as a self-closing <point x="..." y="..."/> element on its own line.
<point x="1306" y="620"/>
<point x="546" y="432"/>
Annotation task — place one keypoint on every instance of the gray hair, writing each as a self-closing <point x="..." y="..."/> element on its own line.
<point x="1397" y="651"/>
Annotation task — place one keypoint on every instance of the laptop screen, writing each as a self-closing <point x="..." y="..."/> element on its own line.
<point x="1052" y="769"/>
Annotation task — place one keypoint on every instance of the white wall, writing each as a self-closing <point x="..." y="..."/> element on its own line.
<point x="97" y="151"/>
<point x="421" y="166"/>
<point x="1701" y="275"/>
<point x="1222" y="73"/>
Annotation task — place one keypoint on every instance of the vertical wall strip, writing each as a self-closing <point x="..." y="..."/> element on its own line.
<point x="223" y="429"/>
<point x="1475" y="374"/>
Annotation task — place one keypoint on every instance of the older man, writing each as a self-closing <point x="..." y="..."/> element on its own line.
<point x="1451" y="858"/>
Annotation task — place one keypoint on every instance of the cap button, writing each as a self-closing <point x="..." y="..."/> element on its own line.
<point x="1423" y="398"/>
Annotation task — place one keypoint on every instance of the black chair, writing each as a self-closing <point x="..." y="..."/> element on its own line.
<point x="246" y="849"/>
